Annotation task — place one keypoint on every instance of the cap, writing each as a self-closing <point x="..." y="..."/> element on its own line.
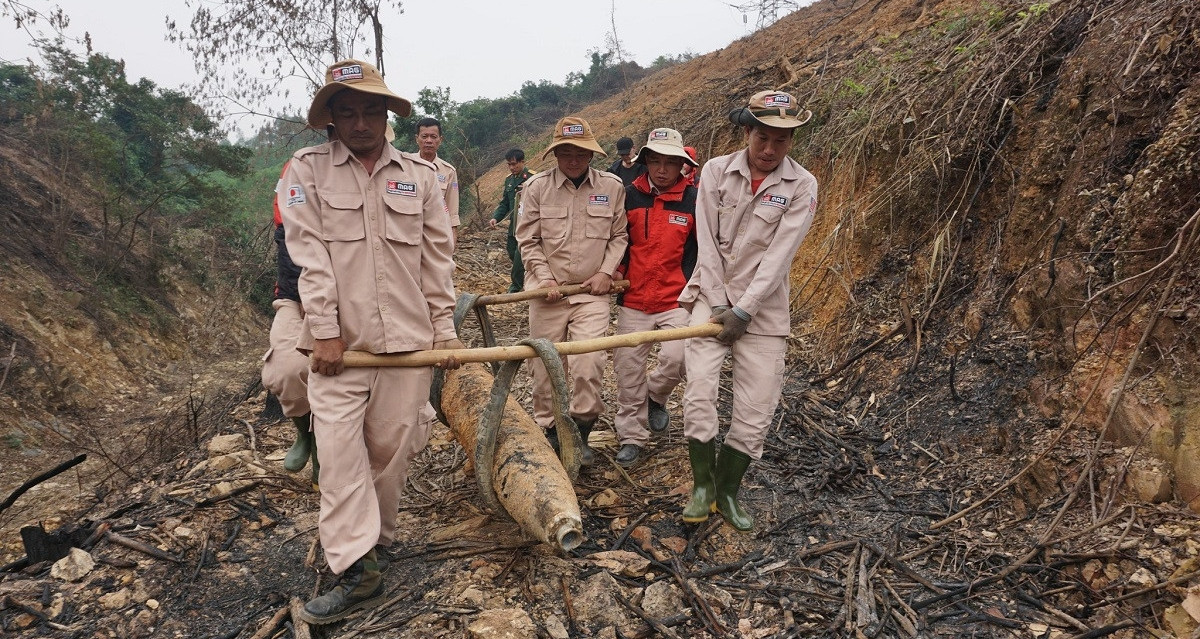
<point x="771" y="108"/>
<point x="576" y="132"/>
<point x="665" y="141"/>
<point x="358" y="76"/>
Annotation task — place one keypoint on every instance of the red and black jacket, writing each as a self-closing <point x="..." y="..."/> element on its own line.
<point x="662" y="244"/>
<point x="286" y="286"/>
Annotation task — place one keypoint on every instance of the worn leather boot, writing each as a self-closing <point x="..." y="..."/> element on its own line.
<point x="731" y="467"/>
<point x="629" y="455"/>
<point x="585" y="429"/>
<point x="361" y="586"/>
<point x="297" y="456"/>
<point x="659" y="417"/>
<point x="703" y="457"/>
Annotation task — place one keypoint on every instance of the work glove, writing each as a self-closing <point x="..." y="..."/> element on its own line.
<point x="734" y="326"/>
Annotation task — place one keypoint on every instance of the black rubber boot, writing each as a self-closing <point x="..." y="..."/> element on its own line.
<point x="361" y="586"/>
<point x="585" y="429"/>
<point x="629" y="455"/>
<point x="658" y="416"/>
<point x="303" y="448"/>
<point x="731" y="467"/>
<point x="703" y="456"/>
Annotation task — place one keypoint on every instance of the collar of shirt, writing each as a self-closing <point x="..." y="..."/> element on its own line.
<point x="787" y="169"/>
<point x="561" y="179"/>
<point x="341" y="154"/>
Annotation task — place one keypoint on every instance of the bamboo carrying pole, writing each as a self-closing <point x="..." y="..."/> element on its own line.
<point x="532" y="294"/>
<point x="359" y="359"/>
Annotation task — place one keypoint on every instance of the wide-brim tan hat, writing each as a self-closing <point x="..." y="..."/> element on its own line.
<point x="358" y="76"/>
<point x="771" y="108"/>
<point x="576" y="132"/>
<point x="665" y="141"/>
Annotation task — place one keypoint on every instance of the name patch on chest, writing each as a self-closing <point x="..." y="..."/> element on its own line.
<point x="777" y="201"/>
<point x="407" y="189"/>
<point x="295" y="195"/>
<point x="675" y="218"/>
<point x="597" y="200"/>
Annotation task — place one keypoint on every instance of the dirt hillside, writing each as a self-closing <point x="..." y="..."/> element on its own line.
<point x="994" y="338"/>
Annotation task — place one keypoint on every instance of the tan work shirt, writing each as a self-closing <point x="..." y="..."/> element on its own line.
<point x="374" y="249"/>
<point x="746" y="240"/>
<point x="569" y="234"/>
<point x="447" y="177"/>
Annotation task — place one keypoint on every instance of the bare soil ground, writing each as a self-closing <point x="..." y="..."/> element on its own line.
<point x="846" y="498"/>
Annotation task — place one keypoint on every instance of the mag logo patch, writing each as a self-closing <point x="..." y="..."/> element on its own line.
<point x="572" y="130"/>
<point x="777" y="201"/>
<point x="778" y="100"/>
<point x="407" y="189"/>
<point x="441" y="178"/>
<point x="675" y="218"/>
<point x="597" y="200"/>
<point x="295" y="195"/>
<point x="658" y="135"/>
<point x="352" y="72"/>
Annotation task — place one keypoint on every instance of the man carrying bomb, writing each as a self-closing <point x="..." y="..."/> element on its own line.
<point x="754" y="209"/>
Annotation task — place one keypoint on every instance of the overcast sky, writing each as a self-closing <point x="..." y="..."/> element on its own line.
<point x="477" y="48"/>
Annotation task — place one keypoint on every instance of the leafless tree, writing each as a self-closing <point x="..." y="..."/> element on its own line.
<point x="245" y="49"/>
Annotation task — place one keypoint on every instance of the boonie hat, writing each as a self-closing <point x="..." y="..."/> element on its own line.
<point x="356" y="75"/>
<point x="624" y="145"/>
<point x="576" y="132"/>
<point x="665" y="141"/>
<point x="771" y="108"/>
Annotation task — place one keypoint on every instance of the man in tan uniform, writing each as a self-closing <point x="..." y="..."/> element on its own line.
<point x="368" y="228"/>
<point x="429" y="140"/>
<point x="571" y="230"/>
<point x="754" y="208"/>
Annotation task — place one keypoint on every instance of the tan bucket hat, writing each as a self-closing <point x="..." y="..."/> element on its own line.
<point x="356" y="75"/>
<point x="771" y="108"/>
<point x="665" y="141"/>
<point x="576" y="132"/>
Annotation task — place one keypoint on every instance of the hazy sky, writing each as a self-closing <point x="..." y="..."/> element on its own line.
<point x="477" y="48"/>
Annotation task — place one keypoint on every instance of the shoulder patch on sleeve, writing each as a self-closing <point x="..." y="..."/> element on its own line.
<point x="295" y="195"/>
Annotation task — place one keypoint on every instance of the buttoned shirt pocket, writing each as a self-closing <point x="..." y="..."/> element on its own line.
<point x="726" y="224"/>
<point x="553" y="221"/>
<point x="763" y="225"/>
<point x="342" y="219"/>
<point x="403" y="219"/>
<point x="599" y="223"/>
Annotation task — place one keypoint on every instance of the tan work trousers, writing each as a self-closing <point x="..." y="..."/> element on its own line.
<point x="285" y="370"/>
<point x="633" y="385"/>
<point x="368" y="427"/>
<point x="560" y="321"/>
<point x="758" y="364"/>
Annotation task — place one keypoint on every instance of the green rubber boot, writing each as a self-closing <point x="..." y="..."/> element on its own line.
<point x="297" y="456"/>
<point x="704" y="492"/>
<point x="361" y="586"/>
<point x="731" y="467"/>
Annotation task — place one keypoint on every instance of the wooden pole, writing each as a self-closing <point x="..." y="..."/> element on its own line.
<point x="360" y="359"/>
<point x="532" y="294"/>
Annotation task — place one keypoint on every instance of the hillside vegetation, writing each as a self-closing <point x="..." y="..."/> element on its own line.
<point x="995" y="327"/>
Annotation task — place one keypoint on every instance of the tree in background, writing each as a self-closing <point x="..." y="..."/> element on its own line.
<point x="286" y="38"/>
<point x="26" y="18"/>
